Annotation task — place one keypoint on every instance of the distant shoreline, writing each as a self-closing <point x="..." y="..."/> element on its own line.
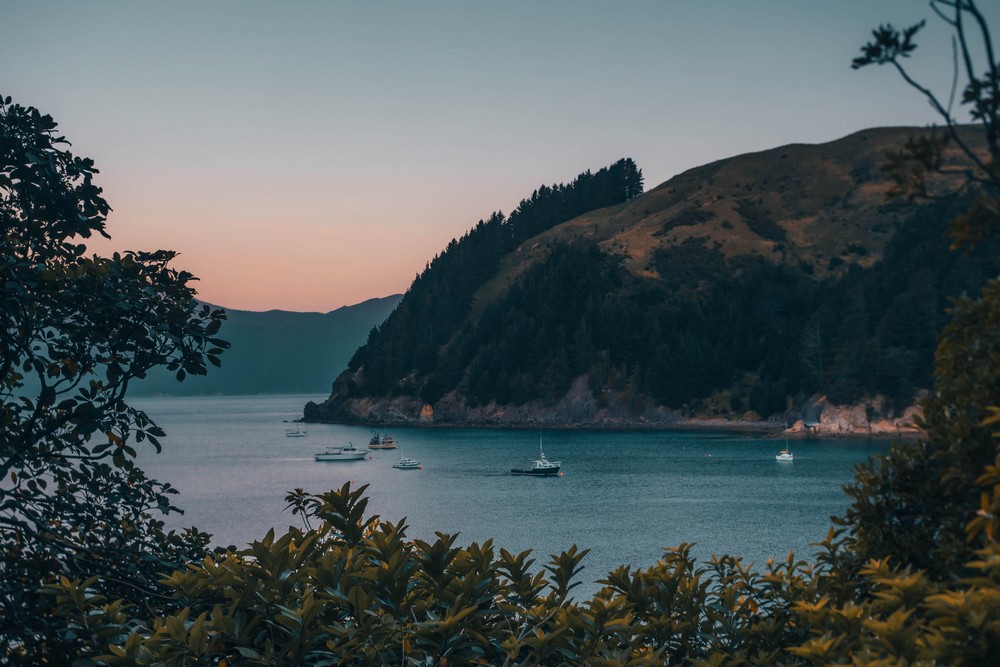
<point x="760" y="429"/>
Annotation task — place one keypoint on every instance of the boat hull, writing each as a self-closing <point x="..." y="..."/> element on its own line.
<point x="350" y="456"/>
<point x="546" y="472"/>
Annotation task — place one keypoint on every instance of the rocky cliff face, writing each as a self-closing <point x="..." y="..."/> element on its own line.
<point x="872" y="417"/>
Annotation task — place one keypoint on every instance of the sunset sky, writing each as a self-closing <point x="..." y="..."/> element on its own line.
<point x="310" y="155"/>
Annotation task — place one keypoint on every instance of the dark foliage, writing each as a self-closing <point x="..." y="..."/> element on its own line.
<point x="686" y="218"/>
<point x="875" y="331"/>
<point x="408" y="344"/>
<point x="759" y="220"/>
<point x="76" y="330"/>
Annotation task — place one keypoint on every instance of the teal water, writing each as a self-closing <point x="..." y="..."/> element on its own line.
<point x="624" y="494"/>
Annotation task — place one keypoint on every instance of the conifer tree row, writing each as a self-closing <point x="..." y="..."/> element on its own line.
<point x="438" y="300"/>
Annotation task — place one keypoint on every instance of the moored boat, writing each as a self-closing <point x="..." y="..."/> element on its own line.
<point x="346" y="453"/>
<point x="785" y="455"/>
<point x="383" y="442"/>
<point x="540" y="467"/>
<point x="407" y="464"/>
<point x="294" y="433"/>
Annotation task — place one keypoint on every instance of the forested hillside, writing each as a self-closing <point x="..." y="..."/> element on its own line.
<point x="738" y="288"/>
<point x="438" y="301"/>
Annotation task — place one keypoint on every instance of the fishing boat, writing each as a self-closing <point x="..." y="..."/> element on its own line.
<point x="407" y="464"/>
<point x="784" y="455"/>
<point x="540" y="467"/>
<point x="383" y="442"/>
<point x="346" y="453"/>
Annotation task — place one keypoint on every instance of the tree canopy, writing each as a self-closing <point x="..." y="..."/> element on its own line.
<point x="77" y="330"/>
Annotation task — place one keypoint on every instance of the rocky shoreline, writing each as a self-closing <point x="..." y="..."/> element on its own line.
<point x="872" y="418"/>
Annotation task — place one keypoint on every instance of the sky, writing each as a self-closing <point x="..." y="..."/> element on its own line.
<point x="309" y="155"/>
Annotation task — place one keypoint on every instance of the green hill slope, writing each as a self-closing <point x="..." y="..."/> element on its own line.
<point x="739" y="288"/>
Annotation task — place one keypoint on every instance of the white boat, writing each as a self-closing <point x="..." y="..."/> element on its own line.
<point x="407" y="464"/>
<point x="785" y="455"/>
<point x="294" y="433"/>
<point x="347" y="453"/>
<point x="540" y="467"/>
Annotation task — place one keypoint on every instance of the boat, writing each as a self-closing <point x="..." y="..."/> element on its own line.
<point x="294" y="433"/>
<point x="407" y="464"/>
<point x="384" y="442"/>
<point x="785" y="455"/>
<point x="346" y="453"/>
<point x="540" y="467"/>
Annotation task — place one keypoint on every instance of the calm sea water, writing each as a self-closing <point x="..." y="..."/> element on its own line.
<point x="624" y="495"/>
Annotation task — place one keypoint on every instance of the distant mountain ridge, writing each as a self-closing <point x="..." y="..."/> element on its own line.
<point x="736" y="289"/>
<point x="279" y="352"/>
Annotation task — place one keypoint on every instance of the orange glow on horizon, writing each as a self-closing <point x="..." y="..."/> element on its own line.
<point x="271" y="266"/>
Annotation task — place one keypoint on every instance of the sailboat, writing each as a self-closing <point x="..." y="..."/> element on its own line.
<point x="540" y="467"/>
<point x="785" y="454"/>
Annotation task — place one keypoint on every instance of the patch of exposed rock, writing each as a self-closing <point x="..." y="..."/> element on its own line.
<point x="873" y="417"/>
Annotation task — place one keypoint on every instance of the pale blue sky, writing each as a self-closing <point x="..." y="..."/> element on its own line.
<point x="308" y="155"/>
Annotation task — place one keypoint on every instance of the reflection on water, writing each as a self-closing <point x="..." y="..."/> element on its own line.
<point x="623" y="495"/>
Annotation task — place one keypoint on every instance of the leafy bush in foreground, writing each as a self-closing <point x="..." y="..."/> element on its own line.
<point x="354" y="591"/>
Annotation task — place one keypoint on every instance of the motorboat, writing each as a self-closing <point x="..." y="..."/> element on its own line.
<point x="383" y="442"/>
<point x="346" y="453"/>
<point x="407" y="464"/>
<point x="784" y="455"/>
<point x="540" y="467"/>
